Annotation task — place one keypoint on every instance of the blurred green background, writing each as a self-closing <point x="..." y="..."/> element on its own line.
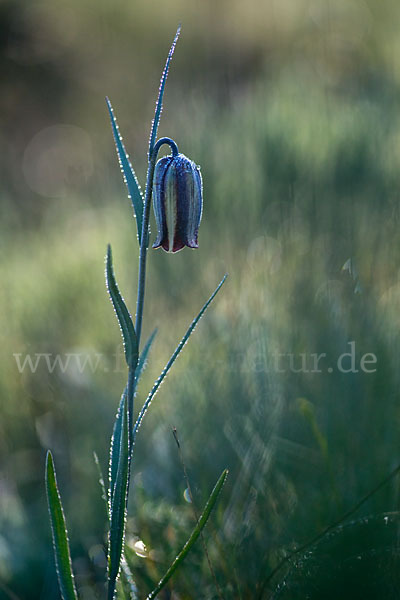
<point x="292" y="111"/>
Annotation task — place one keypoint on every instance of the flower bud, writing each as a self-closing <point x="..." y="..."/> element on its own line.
<point x="177" y="202"/>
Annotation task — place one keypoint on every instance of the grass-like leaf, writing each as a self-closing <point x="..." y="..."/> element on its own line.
<point x="128" y="579"/>
<point x="157" y="114"/>
<point x="115" y="449"/>
<point x="129" y="174"/>
<point x="173" y="358"/>
<point x="59" y="533"/>
<point x="143" y="357"/>
<point x="124" y="318"/>
<point x="118" y="503"/>
<point x="194" y="535"/>
<point x="101" y="483"/>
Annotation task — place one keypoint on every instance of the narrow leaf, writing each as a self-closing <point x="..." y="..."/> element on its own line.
<point x="171" y="361"/>
<point x="143" y="357"/>
<point x="125" y="567"/>
<point x="134" y="191"/>
<point x="101" y="482"/>
<point x="157" y="115"/>
<point x="59" y="533"/>
<point x="120" y="591"/>
<point x="123" y="316"/>
<point x="115" y="448"/>
<point x="118" y="505"/>
<point x="194" y="535"/>
<point x="128" y="577"/>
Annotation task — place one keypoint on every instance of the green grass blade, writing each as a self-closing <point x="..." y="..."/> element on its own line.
<point x="134" y="191"/>
<point x="194" y="535"/>
<point x="143" y="357"/>
<point x="101" y="483"/>
<point x="59" y="533"/>
<point x="128" y="577"/>
<point x="123" y="316"/>
<point x="157" y="114"/>
<point x="115" y="449"/>
<point x="118" y="505"/>
<point x="120" y="591"/>
<point x="126" y="587"/>
<point x="173" y="358"/>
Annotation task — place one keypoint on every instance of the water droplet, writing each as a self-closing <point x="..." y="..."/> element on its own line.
<point x="140" y="549"/>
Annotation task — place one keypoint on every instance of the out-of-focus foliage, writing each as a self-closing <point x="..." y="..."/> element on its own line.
<point x="292" y="111"/>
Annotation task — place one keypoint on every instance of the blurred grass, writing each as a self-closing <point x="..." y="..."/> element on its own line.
<point x="291" y="109"/>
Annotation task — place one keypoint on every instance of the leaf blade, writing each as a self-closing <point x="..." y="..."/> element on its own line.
<point x="115" y="450"/>
<point x="174" y="356"/>
<point x="133" y="592"/>
<point x="143" y="356"/>
<point x="194" y="535"/>
<point x="157" y="114"/>
<point x="123" y="315"/>
<point x="59" y="532"/>
<point x="118" y="506"/>
<point x="101" y="482"/>
<point x="131" y="181"/>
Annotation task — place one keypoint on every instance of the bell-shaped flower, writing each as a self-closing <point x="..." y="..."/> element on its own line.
<point x="177" y="202"/>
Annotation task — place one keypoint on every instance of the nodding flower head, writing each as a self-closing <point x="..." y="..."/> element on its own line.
<point x="177" y="202"/>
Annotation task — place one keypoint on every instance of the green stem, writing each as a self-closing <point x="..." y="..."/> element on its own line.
<point x="145" y="230"/>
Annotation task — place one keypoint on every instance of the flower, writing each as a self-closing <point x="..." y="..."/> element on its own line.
<point x="177" y="202"/>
